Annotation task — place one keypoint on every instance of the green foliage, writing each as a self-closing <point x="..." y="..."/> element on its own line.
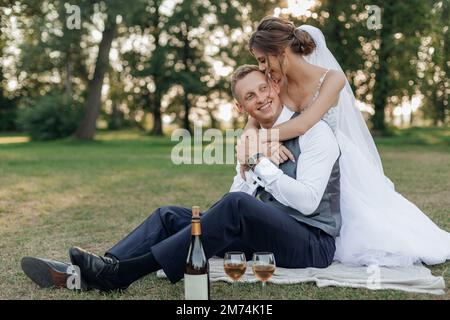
<point x="345" y="30"/>
<point x="49" y="47"/>
<point x="172" y="72"/>
<point x="7" y="104"/>
<point x="436" y="84"/>
<point x="49" y="117"/>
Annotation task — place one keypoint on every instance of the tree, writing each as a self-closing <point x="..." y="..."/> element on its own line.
<point x="179" y="59"/>
<point x="112" y="10"/>
<point x="435" y="65"/>
<point x="50" y="48"/>
<point x="155" y="65"/>
<point x="86" y="129"/>
<point x="7" y="104"/>
<point x="344" y="25"/>
<point x="398" y="39"/>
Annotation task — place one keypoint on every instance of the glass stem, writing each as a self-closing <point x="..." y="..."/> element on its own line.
<point x="263" y="290"/>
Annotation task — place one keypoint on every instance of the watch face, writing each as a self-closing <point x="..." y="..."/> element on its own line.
<point x="254" y="159"/>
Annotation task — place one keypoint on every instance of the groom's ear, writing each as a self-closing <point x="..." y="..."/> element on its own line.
<point x="275" y="86"/>
<point x="239" y="107"/>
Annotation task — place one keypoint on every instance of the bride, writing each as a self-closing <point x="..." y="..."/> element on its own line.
<point x="379" y="226"/>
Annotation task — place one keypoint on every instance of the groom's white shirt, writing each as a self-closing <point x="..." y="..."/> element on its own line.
<point x="319" y="152"/>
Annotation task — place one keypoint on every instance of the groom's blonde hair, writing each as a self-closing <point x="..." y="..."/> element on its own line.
<point x="239" y="74"/>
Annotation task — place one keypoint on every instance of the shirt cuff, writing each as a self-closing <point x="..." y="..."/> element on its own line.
<point x="250" y="181"/>
<point x="266" y="172"/>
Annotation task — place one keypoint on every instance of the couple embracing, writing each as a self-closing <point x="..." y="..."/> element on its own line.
<point x="318" y="196"/>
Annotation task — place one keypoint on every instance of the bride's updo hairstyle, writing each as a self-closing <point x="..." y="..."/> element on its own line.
<point x="274" y="34"/>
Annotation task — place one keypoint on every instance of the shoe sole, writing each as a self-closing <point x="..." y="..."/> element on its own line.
<point x="42" y="274"/>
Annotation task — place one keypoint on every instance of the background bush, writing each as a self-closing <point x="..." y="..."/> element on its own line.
<point x="50" y="117"/>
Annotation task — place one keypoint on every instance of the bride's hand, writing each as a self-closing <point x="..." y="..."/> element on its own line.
<point x="277" y="152"/>
<point x="286" y="154"/>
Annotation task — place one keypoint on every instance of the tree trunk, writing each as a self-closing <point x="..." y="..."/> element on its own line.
<point x="2" y="78"/>
<point x="444" y="103"/>
<point x="380" y="98"/>
<point x="381" y="88"/>
<point x="68" y="82"/>
<point x="117" y="118"/>
<point x="157" y="129"/>
<point x="157" y="120"/>
<point x="187" y="106"/>
<point x="435" y="122"/>
<point x="186" y="102"/>
<point x="87" y="128"/>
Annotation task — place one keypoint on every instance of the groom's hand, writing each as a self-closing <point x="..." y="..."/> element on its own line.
<point x="247" y="146"/>
<point x="285" y="154"/>
<point x="243" y="168"/>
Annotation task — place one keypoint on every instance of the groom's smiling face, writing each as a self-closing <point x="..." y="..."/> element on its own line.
<point x="258" y="97"/>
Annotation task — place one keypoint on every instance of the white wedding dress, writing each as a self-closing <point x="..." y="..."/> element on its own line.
<point x="379" y="225"/>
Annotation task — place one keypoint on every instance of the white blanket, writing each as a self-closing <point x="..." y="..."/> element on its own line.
<point x="416" y="278"/>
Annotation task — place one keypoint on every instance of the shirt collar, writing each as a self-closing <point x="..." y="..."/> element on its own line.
<point x="284" y="116"/>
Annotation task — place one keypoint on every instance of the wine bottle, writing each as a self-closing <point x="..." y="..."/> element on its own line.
<point x="196" y="274"/>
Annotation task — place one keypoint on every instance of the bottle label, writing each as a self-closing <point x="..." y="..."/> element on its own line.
<point x="196" y="287"/>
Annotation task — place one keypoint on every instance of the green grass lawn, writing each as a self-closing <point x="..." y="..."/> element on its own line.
<point x="54" y="195"/>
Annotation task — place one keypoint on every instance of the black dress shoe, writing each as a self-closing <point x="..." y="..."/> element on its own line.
<point x="48" y="273"/>
<point x="97" y="272"/>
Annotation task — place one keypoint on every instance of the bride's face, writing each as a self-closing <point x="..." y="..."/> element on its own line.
<point x="270" y="64"/>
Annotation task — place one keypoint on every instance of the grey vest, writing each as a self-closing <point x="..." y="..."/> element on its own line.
<point x="327" y="216"/>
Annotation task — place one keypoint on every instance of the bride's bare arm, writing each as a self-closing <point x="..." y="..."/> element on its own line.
<point x="328" y="96"/>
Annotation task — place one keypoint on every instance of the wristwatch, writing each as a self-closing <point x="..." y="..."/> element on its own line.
<point x="253" y="160"/>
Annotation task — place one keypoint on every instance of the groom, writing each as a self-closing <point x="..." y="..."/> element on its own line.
<point x="291" y="210"/>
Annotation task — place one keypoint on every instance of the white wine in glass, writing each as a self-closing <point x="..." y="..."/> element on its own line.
<point x="234" y="264"/>
<point x="263" y="266"/>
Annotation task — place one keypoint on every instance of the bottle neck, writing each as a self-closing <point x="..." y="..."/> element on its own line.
<point x="196" y="229"/>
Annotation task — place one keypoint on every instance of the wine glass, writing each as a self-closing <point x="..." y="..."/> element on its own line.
<point x="263" y="266"/>
<point x="234" y="264"/>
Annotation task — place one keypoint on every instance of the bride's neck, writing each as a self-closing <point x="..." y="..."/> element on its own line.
<point x="300" y="73"/>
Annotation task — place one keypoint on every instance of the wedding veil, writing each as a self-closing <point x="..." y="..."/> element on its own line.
<point x="350" y="122"/>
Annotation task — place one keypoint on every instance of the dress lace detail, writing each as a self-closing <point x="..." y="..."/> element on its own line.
<point x="331" y="116"/>
<point x="319" y="86"/>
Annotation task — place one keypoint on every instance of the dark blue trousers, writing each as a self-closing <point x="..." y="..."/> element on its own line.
<point x="237" y="222"/>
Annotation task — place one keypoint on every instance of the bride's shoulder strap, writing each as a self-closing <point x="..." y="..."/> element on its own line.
<point x="323" y="77"/>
